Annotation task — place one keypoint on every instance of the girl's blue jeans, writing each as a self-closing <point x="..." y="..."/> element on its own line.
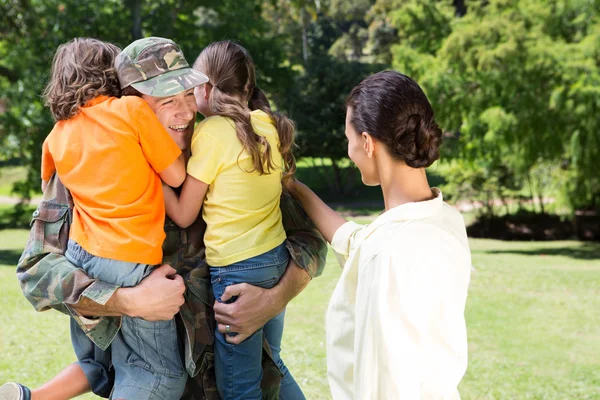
<point x="238" y="367"/>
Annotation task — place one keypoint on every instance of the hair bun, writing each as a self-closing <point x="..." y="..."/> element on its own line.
<point x="417" y="141"/>
<point x="394" y="110"/>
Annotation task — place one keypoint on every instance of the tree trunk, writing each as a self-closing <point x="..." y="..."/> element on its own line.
<point x="136" y="16"/>
<point x="460" y="7"/>
<point x="321" y="170"/>
<point x="541" y="200"/>
<point x="305" y="18"/>
<point x="531" y="194"/>
<point x="338" y="177"/>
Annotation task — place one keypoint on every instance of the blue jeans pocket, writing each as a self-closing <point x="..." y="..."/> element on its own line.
<point x="154" y="346"/>
<point x="263" y="271"/>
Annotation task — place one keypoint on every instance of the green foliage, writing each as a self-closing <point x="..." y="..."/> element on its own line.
<point x="517" y="82"/>
<point x="33" y="29"/>
<point x="316" y="103"/>
<point x="479" y="181"/>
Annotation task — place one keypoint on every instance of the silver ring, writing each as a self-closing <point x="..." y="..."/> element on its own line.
<point x="227" y="328"/>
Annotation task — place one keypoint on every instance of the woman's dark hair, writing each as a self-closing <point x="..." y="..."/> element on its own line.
<point x="82" y="70"/>
<point x="231" y="73"/>
<point x="393" y="109"/>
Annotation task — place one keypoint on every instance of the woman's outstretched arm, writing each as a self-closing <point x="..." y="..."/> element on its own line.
<point x="325" y="219"/>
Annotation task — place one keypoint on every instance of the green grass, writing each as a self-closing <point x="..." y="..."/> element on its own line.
<point x="532" y="317"/>
<point x="10" y="175"/>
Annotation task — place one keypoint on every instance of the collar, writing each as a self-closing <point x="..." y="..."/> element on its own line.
<point x="408" y="212"/>
<point x="96" y="100"/>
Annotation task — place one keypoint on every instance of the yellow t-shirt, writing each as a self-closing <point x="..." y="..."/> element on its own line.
<point x="241" y="208"/>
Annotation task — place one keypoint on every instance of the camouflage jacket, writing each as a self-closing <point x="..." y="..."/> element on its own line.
<point x="48" y="281"/>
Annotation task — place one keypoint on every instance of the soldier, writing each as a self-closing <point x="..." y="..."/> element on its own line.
<point x="50" y="281"/>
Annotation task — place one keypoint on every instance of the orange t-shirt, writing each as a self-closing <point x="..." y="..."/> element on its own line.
<point x="109" y="156"/>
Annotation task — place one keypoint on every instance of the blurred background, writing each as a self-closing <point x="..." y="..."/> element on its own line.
<point x="515" y="85"/>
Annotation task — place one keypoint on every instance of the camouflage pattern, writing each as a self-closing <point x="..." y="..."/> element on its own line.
<point x="48" y="280"/>
<point x="58" y="284"/>
<point x="156" y="67"/>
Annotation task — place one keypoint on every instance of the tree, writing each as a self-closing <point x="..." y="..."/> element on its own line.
<point x="316" y="103"/>
<point x="517" y="82"/>
<point x="33" y="29"/>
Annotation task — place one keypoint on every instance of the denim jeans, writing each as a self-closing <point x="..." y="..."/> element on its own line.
<point x="146" y="356"/>
<point x="238" y="367"/>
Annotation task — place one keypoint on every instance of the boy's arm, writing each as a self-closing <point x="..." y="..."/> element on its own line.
<point x="47" y="166"/>
<point x="160" y="150"/>
<point x="174" y="174"/>
<point x="184" y="210"/>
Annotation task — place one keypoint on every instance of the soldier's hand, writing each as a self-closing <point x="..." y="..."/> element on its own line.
<point x="250" y="311"/>
<point x="158" y="297"/>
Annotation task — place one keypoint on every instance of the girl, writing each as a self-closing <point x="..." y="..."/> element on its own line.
<point x="239" y="155"/>
<point x="395" y="323"/>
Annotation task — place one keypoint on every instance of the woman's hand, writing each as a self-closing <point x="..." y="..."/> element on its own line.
<point x="291" y="185"/>
<point x="325" y="219"/>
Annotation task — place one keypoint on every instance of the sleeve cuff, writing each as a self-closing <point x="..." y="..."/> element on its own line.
<point x="341" y="237"/>
<point x="99" y="292"/>
<point x="171" y="158"/>
<point x="199" y="171"/>
<point x="87" y="324"/>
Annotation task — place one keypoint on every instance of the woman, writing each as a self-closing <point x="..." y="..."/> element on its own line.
<point x="395" y="323"/>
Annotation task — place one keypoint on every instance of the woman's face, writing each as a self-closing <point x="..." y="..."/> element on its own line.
<point x="360" y="151"/>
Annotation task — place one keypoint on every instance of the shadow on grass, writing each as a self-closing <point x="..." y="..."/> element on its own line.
<point x="523" y="225"/>
<point x="9" y="258"/>
<point x="588" y="251"/>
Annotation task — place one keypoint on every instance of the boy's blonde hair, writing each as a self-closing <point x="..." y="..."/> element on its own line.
<point x="82" y="69"/>
<point x="231" y="73"/>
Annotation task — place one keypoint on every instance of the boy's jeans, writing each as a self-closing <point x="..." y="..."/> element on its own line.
<point x="238" y="368"/>
<point x="145" y="355"/>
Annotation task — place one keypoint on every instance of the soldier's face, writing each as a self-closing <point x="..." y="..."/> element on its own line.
<point x="177" y="114"/>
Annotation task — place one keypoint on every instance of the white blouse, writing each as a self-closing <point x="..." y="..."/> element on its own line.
<point x="395" y="323"/>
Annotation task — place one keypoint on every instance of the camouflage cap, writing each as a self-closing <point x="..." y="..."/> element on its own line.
<point x="156" y="67"/>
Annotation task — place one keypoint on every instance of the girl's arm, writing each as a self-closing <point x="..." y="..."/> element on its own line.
<point x="326" y="220"/>
<point x="184" y="210"/>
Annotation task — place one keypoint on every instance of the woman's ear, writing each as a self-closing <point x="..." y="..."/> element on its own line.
<point x="368" y="144"/>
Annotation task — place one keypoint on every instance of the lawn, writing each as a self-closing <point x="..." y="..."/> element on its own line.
<point x="10" y="175"/>
<point x="532" y="316"/>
